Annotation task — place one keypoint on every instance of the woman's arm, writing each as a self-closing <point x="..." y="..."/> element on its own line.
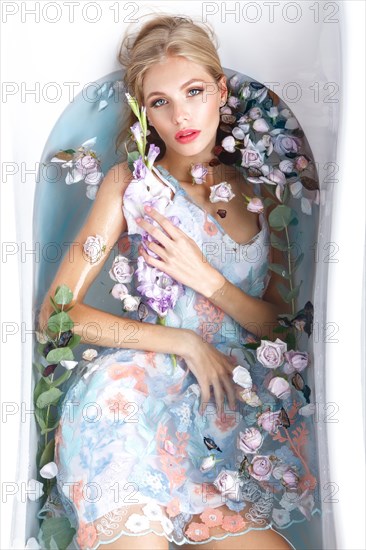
<point x="258" y="316"/>
<point x="97" y="327"/>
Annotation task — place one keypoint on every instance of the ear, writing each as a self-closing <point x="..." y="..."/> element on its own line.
<point x="223" y="88"/>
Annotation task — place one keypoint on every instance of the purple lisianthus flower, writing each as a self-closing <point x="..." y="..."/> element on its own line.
<point x="137" y="132"/>
<point x="154" y="151"/>
<point x="139" y="171"/>
<point x="160" y="289"/>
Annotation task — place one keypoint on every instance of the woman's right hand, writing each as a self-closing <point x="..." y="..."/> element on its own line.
<point x="213" y="368"/>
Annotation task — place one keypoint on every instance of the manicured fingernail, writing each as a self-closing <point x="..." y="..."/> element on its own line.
<point x="148" y="208"/>
<point x="138" y="220"/>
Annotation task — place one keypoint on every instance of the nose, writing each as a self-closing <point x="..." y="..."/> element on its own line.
<point x="180" y="113"/>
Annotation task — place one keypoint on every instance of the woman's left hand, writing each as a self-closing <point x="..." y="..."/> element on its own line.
<point x="181" y="258"/>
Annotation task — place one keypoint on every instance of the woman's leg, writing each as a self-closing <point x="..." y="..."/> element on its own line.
<point x="144" y="542"/>
<point x="254" y="540"/>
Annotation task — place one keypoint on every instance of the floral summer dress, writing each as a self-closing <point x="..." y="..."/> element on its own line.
<point x="134" y="454"/>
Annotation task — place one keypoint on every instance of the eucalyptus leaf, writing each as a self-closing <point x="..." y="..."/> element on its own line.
<point x="58" y="529"/>
<point x="280" y="329"/>
<point x="74" y="341"/>
<point x="283" y="291"/>
<point x="50" y="428"/>
<point x="268" y="201"/>
<point x="40" y="388"/>
<point x="294" y="292"/>
<point x="249" y="356"/>
<point x="49" y="397"/>
<point x="61" y="379"/>
<point x="281" y="217"/>
<point x="277" y="268"/>
<point x="54" y="305"/>
<point x="39" y="367"/>
<point x="40" y="417"/>
<point x="60" y="354"/>
<point x="298" y="261"/>
<point x="60" y="322"/>
<point x="47" y="454"/>
<point x="63" y="295"/>
<point x="278" y="243"/>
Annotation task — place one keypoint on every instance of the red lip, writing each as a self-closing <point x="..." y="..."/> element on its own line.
<point x="183" y="133"/>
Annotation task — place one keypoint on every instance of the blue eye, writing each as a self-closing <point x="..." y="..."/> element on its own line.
<point x="156" y="105"/>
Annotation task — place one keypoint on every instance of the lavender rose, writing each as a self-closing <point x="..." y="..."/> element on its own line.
<point x="296" y="361"/>
<point x="285" y="144"/>
<point x="279" y="387"/>
<point x="251" y="158"/>
<point x="270" y="421"/>
<point x="221" y="192"/>
<point x="261" y="468"/>
<point x="198" y="173"/>
<point x="228" y="483"/>
<point x="250" y="440"/>
<point x="119" y="291"/>
<point x="270" y="354"/>
<point x="255" y="205"/>
<point x="121" y="271"/>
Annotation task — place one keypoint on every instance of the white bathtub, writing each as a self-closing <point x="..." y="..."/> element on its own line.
<point x="315" y="55"/>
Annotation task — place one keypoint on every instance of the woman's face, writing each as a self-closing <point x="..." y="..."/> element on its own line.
<point x="179" y="95"/>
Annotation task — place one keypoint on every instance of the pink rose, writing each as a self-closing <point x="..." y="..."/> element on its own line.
<point x="261" y="468"/>
<point x="287" y="475"/>
<point x="228" y="483"/>
<point x="121" y="271"/>
<point x="250" y="440"/>
<point x="255" y="205"/>
<point x="279" y="387"/>
<point x="301" y="163"/>
<point x="270" y="354"/>
<point x="270" y="421"/>
<point x="297" y="361"/>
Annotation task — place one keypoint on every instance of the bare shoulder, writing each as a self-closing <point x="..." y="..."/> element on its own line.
<point x="117" y="178"/>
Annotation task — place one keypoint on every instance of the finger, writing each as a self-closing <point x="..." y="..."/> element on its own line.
<point x="166" y="224"/>
<point x="219" y="397"/>
<point x="230" y="390"/>
<point x="205" y="395"/>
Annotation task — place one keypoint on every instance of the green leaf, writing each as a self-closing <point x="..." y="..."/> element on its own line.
<point x="268" y="201"/>
<point x="60" y="322"/>
<point x="40" y="387"/>
<point x="50" y="428"/>
<point x="285" y="194"/>
<point x="131" y="157"/>
<point x="58" y="529"/>
<point x="49" y="397"/>
<point x="280" y="329"/>
<point x="249" y="356"/>
<point x="75" y="340"/>
<point x="47" y="454"/>
<point x="39" y="367"/>
<point x="54" y="305"/>
<point x="277" y="268"/>
<point x="60" y="354"/>
<point x="61" y="379"/>
<point x="278" y="243"/>
<point x="298" y="261"/>
<point x="294" y="292"/>
<point x="281" y="217"/>
<point x="63" y="295"/>
<point x="283" y="290"/>
<point x="291" y="341"/>
<point x="40" y="417"/>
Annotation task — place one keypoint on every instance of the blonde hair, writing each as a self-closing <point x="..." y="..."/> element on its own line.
<point x="160" y="37"/>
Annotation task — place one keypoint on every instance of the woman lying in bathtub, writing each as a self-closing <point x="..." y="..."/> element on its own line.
<point x="196" y="461"/>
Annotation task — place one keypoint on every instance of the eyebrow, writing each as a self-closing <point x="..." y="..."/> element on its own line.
<point x="181" y="88"/>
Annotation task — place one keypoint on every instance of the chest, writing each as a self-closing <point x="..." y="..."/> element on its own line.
<point x="240" y="224"/>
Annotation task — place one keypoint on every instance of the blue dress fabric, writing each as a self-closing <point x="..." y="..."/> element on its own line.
<point x="130" y="443"/>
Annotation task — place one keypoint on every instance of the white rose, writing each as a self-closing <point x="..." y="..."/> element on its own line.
<point x="49" y="471"/>
<point x="94" y="247"/>
<point x="90" y="354"/>
<point x="131" y="303"/>
<point x="121" y="271"/>
<point x="221" y="192"/>
<point x="242" y="377"/>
